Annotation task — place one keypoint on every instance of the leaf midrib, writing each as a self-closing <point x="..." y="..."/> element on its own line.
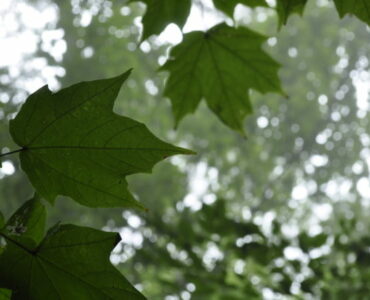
<point x="40" y="259"/>
<point x="176" y="150"/>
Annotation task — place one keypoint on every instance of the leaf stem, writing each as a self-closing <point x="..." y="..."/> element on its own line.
<point x="11" y="152"/>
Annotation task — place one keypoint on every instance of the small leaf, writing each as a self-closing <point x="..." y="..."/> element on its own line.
<point x="221" y="66"/>
<point x="160" y="13"/>
<point x="228" y="6"/>
<point x="359" y="8"/>
<point x="74" y="145"/>
<point x="70" y="263"/>
<point x="308" y="243"/>
<point x="285" y="8"/>
<point x="27" y="222"/>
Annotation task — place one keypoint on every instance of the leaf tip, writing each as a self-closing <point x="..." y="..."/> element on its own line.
<point x="243" y="134"/>
<point x="186" y="151"/>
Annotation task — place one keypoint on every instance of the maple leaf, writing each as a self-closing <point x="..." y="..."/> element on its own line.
<point x="160" y="13"/>
<point x="74" y="145"/>
<point x="285" y="8"/>
<point x="28" y="222"/>
<point x="71" y="262"/>
<point x="221" y="66"/>
<point x="359" y="8"/>
<point x="228" y="6"/>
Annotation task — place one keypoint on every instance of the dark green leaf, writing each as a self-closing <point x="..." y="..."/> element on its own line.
<point x="220" y="65"/>
<point x="70" y="263"/>
<point x="308" y="284"/>
<point x="28" y="222"/>
<point x="359" y="8"/>
<point x="228" y="6"/>
<point x="285" y="8"/>
<point x="74" y="145"/>
<point x="160" y="13"/>
<point x="308" y="243"/>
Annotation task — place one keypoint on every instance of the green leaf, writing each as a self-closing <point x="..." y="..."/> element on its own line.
<point x="228" y="6"/>
<point x="285" y="8"/>
<point x="70" y="263"/>
<point x="308" y="243"/>
<point x="359" y="8"/>
<point x="5" y="294"/>
<point x="74" y="145"/>
<point x="220" y="65"/>
<point x="27" y="222"/>
<point x="160" y="13"/>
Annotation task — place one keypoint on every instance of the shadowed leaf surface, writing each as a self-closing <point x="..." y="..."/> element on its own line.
<point x="28" y="221"/>
<point x="285" y="8"/>
<point x="228" y="6"/>
<point x="71" y="262"/>
<point x="221" y="65"/>
<point x="160" y="13"/>
<point x="359" y="8"/>
<point x="74" y="145"/>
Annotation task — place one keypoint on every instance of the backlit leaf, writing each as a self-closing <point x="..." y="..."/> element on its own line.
<point x="28" y="221"/>
<point x="160" y="13"/>
<point x="70" y="263"/>
<point x="228" y="6"/>
<point x="221" y="66"/>
<point x="285" y="8"/>
<point x="74" y="145"/>
<point x="359" y="8"/>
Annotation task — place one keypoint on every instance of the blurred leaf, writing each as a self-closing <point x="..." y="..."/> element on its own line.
<point x="359" y="8"/>
<point x="285" y="8"/>
<point x="5" y="294"/>
<point x="220" y="65"/>
<point x="74" y="145"/>
<point x="228" y="6"/>
<point x="160" y="13"/>
<point x="308" y="243"/>
<point x="308" y="284"/>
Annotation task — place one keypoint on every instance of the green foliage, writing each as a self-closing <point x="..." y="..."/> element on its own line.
<point x="228" y="6"/>
<point x="28" y="222"/>
<point x="160" y="13"/>
<point x="220" y="65"/>
<point x="71" y="262"/>
<point x="98" y="148"/>
<point x="249" y="172"/>
<point x="358" y="8"/>
<point x="285" y="8"/>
